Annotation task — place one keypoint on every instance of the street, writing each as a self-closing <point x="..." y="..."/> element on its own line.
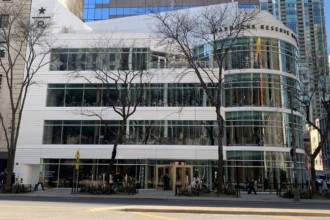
<point x="20" y="207"/>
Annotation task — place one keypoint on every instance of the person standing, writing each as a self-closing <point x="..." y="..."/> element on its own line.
<point x="266" y="184"/>
<point x="166" y="181"/>
<point x="40" y="181"/>
<point x="2" y="176"/>
<point x="324" y="186"/>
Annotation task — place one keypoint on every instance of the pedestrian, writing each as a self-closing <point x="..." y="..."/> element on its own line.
<point x="2" y="176"/>
<point x="247" y="184"/>
<point x="40" y="181"/>
<point x="118" y="179"/>
<point x="2" y="183"/>
<point x="251" y="187"/>
<point x="266" y="184"/>
<point x="324" y="186"/>
<point x="166" y="182"/>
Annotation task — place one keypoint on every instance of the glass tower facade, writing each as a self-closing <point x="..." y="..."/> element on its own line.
<point x="306" y="19"/>
<point x="108" y="9"/>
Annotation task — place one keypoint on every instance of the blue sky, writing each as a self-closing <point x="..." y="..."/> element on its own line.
<point x="327" y="15"/>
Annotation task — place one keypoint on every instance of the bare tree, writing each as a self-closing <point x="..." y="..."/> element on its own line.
<point x="322" y="126"/>
<point x="21" y="41"/>
<point x="218" y="27"/>
<point x="119" y="72"/>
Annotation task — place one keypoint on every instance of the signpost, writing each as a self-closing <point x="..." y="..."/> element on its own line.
<point x="77" y="156"/>
<point x="76" y="170"/>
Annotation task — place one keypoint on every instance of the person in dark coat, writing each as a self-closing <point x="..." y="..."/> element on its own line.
<point x="2" y="176"/>
<point x="251" y="187"/>
<point x="266" y="184"/>
<point x="2" y="183"/>
<point x="166" y="182"/>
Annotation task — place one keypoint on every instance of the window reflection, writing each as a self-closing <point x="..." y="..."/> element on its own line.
<point x="93" y="95"/>
<point x="261" y="129"/>
<point x="255" y="89"/>
<point x="140" y="132"/>
<point x="99" y="58"/>
<point x="256" y="52"/>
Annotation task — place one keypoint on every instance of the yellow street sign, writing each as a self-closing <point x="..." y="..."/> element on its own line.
<point x="77" y="155"/>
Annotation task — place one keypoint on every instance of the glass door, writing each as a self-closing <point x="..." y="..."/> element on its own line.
<point x="183" y="176"/>
<point x="161" y="171"/>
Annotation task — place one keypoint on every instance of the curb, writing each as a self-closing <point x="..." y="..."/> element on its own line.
<point x="210" y="210"/>
<point x="183" y="209"/>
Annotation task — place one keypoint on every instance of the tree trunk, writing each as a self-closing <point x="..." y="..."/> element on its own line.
<point x="119" y="137"/>
<point x="220" y="155"/>
<point x="10" y="169"/>
<point x="313" y="174"/>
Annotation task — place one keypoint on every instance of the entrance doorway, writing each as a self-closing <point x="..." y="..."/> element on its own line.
<point x="180" y="175"/>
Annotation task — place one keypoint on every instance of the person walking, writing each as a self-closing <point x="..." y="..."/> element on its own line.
<point x="40" y="181"/>
<point x="251" y="187"/>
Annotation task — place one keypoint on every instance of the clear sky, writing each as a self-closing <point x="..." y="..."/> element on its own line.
<point x="327" y="21"/>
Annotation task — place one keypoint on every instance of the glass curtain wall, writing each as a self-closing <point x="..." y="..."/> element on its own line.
<point x="97" y="95"/>
<point x="256" y="53"/>
<point x="139" y="132"/>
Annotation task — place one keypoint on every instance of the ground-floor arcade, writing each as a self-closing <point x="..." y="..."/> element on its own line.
<point x="148" y="173"/>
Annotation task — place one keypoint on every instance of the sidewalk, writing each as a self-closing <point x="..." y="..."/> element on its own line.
<point x="157" y="194"/>
<point x="169" y="195"/>
<point x="163" y="195"/>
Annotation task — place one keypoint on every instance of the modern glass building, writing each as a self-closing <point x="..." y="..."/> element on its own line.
<point x="174" y="129"/>
<point x="306" y="19"/>
<point x="108" y="9"/>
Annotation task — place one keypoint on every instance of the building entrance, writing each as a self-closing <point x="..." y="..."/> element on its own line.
<point x="179" y="175"/>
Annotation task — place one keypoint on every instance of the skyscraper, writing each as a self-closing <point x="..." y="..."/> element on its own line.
<point x="306" y="18"/>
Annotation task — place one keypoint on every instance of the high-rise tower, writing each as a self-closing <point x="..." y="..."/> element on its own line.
<point x="306" y="18"/>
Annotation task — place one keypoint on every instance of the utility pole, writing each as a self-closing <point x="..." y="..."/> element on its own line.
<point x="296" y="194"/>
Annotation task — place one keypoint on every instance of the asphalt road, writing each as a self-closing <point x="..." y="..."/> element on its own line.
<point x="23" y="208"/>
<point x="304" y="204"/>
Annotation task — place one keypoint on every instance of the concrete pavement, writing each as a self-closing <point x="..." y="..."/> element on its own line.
<point x="158" y="194"/>
<point x="169" y="195"/>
